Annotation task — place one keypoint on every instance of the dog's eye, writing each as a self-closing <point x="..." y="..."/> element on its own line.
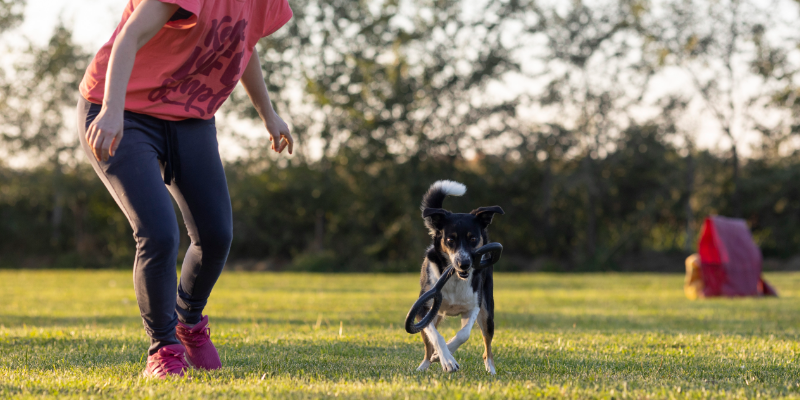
<point x="473" y="240"/>
<point x="449" y="241"/>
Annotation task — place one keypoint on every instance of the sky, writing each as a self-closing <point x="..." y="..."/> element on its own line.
<point x="93" y="22"/>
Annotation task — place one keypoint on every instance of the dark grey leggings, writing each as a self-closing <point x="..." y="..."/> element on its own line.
<point x="184" y="154"/>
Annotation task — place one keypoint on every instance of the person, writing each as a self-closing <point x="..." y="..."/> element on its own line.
<point x="146" y="121"/>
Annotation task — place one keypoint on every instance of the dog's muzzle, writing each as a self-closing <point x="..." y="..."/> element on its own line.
<point x="462" y="267"/>
<point x="463" y="262"/>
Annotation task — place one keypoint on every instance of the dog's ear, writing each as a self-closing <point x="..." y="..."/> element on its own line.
<point x="485" y="214"/>
<point x="435" y="218"/>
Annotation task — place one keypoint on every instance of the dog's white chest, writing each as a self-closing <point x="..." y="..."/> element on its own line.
<point x="458" y="296"/>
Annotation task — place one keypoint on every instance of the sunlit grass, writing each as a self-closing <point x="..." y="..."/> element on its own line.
<point x="78" y="334"/>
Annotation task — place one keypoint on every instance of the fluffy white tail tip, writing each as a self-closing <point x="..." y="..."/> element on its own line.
<point x="450" y="188"/>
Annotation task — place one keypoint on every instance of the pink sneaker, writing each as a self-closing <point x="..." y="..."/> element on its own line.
<point x="200" y="352"/>
<point x="168" y="360"/>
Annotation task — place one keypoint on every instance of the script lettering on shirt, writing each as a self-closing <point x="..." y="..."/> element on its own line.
<point x="224" y="41"/>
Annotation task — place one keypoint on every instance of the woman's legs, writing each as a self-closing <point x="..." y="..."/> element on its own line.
<point x="134" y="178"/>
<point x="201" y="192"/>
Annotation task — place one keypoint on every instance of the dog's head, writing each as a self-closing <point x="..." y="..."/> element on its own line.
<point x="458" y="235"/>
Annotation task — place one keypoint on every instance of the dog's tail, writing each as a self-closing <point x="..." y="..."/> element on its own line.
<point x="439" y="190"/>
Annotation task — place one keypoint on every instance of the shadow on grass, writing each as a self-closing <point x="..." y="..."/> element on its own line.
<point x="755" y="324"/>
<point x="77" y="322"/>
<point x="66" y="352"/>
<point x="348" y="361"/>
<point x="751" y="322"/>
<point x="337" y="360"/>
<point x="648" y="371"/>
<point x="15" y="321"/>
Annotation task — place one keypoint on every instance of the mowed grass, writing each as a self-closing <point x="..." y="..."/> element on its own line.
<point x="69" y="334"/>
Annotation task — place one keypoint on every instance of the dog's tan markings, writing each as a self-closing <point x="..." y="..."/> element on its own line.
<point x="447" y="248"/>
<point x="427" y="341"/>
<point x="487" y="330"/>
<point x="428" y="347"/>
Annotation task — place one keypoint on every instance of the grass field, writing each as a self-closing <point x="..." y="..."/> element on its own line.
<point x="73" y="334"/>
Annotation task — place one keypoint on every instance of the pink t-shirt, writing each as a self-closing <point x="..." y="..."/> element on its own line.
<point x="190" y="66"/>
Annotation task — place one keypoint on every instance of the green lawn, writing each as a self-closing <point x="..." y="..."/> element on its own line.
<point x="77" y="334"/>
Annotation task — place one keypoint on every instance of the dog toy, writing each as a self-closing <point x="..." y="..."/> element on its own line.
<point x="494" y="250"/>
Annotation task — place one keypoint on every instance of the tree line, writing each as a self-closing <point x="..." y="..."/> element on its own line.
<point x="557" y="112"/>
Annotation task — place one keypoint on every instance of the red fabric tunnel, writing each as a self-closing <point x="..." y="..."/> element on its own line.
<point x="730" y="260"/>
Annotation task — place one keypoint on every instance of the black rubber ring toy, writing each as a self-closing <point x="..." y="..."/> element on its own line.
<point x="494" y="250"/>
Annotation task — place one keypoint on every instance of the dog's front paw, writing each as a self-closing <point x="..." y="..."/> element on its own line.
<point x="424" y="365"/>
<point x="489" y="366"/>
<point x="449" y="363"/>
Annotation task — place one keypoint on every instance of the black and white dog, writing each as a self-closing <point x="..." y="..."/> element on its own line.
<point x="456" y="236"/>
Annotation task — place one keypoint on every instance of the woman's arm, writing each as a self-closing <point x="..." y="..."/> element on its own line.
<point x="105" y="132"/>
<point x="253" y="82"/>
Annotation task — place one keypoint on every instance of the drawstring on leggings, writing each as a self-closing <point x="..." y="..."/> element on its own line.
<point x="172" y="165"/>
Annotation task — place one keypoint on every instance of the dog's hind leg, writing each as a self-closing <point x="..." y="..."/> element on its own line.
<point x="449" y="363"/>
<point x="429" y="349"/>
<point x="486" y="323"/>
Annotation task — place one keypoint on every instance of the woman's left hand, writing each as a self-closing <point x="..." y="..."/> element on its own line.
<point x="279" y="133"/>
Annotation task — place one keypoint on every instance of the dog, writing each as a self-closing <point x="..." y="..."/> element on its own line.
<point x="456" y="236"/>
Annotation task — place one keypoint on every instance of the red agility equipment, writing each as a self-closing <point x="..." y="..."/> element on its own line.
<point x="730" y="260"/>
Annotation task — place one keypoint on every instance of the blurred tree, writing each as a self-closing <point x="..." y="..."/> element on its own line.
<point x="376" y="85"/>
<point x="11" y="12"/>
<point x="397" y="96"/>
<point x="735" y="54"/>
<point x="593" y="76"/>
<point x="672" y="108"/>
<point x="37" y="110"/>
<point x="389" y="79"/>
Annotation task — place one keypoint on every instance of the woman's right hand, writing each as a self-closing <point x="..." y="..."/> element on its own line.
<point x="105" y="133"/>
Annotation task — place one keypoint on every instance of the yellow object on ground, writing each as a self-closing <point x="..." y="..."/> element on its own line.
<point x="693" y="285"/>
